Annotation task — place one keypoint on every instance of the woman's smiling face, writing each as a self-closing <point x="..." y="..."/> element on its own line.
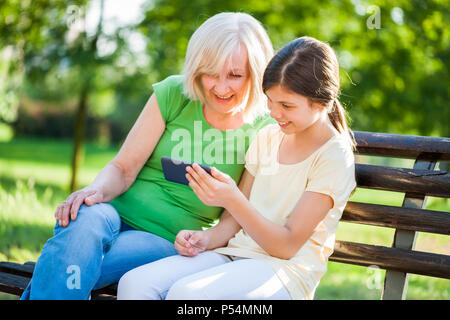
<point x="228" y="90"/>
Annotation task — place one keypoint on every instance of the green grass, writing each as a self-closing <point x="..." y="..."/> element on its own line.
<point x="34" y="177"/>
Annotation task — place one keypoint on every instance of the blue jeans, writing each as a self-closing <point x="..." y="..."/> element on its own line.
<point x="92" y="252"/>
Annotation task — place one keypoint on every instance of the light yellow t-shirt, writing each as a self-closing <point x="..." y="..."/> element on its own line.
<point x="275" y="192"/>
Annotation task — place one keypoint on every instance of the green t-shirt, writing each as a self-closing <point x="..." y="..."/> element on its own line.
<point x="161" y="207"/>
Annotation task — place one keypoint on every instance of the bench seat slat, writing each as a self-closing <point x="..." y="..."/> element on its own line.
<point x="12" y="283"/>
<point x="425" y="182"/>
<point x="397" y="217"/>
<point x="25" y="270"/>
<point x="408" y="261"/>
<point x="100" y="294"/>
<point x="14" y="277"/>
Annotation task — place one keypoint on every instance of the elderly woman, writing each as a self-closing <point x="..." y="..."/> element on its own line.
<point x="130" y="214"/>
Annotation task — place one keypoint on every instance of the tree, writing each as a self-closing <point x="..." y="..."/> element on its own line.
<point x="24" y="26"/>
<point x="62" y="61"/>
<point x="394" y="76"/>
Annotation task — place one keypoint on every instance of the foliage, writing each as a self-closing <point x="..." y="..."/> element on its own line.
<point x="394" y="75"/>
<point x="394" y="79"/>
<point x="25" y="27"/>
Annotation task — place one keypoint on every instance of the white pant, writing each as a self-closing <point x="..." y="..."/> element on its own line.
<point x="209" y="275"/>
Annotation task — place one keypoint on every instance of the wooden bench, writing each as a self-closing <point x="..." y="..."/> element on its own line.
<point x="399" y="260"/>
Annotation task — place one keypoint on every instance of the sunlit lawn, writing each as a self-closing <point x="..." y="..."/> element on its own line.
<point x="34" y="178"/>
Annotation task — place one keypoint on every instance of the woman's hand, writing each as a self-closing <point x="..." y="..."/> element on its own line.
<point x="68" y="210"/>
<point x="190" y="242"/>
<point x="216" y="190"/>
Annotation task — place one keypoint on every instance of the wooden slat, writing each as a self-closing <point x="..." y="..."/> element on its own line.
<point x="431" y="183"/>
<point x="13" y="284"/>
<point x="395" y="282"/>
<point x="107" y="293"/>
<point x="25" y="270"/>
<point x="101" y="296"/>
<point x="397" y="217"/>
<point x="408" y="261"/>
<point x="404" y="146"/>
<point x="14" y="278"/>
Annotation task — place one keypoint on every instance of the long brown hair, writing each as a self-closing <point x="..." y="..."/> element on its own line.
<point x="309" y="67"/>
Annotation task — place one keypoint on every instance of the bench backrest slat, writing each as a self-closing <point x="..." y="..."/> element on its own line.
<point x="416" y="184"/>
<point x="403" y="146"/>
<point x="432" y="183"/>
<point x="396" y="283"/>
<point x="424" y="263"/>
<point x="397" y="217"/>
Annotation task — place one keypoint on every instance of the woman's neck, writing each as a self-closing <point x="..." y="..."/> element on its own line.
<point x="221" y="121"/>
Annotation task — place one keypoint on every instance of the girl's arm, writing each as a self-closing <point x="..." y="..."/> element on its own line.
<point x="281" y="241"/>
<point x="190" y="242"/>
<point x="228" y="226"/>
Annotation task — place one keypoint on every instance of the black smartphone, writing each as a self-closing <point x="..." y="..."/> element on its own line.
<point x="175" y="170"/>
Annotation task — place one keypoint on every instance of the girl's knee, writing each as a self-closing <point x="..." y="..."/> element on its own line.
<point x="185" y="289"/>
<point x="132" y="287"/>
<point x="127" y="288"/>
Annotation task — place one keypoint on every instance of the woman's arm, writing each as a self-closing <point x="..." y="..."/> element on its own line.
<point x="120" y="173"/>
<point x="281" y="241"/>
<point x="138" y="146"/>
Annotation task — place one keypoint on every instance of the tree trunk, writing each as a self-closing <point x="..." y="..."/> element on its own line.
<point x="80" y="124"/>
<point x="78" y="143"/>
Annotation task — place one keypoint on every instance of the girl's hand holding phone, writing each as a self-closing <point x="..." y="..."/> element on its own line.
<point x="214" y="190"/>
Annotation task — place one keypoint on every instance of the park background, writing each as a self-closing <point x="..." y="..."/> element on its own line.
<point x="74" y="76"/>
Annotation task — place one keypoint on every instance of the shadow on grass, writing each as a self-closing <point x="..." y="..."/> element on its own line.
<point x="22" y="240"/>
<point x="350" y="282"/>
<point x="351" y="290"/>
<point x="36" y="150"/>
<point x="10" y="185"/>
<point x="51" y="151"/>
<point x="25" y="224"/>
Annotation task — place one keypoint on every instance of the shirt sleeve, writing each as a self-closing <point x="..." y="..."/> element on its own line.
<point x="170" y="97"/>
<point x="333" y="174"/>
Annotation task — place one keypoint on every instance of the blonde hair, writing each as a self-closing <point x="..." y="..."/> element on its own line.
<point x="214" y="42"/>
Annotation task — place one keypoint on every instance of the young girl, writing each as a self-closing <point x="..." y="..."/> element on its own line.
<point x="278" y="227"/>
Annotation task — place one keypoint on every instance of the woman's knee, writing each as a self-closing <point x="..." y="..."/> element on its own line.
<point x="100" y="216"/>
<point x="99" y="213"/>
<point x="95" y="225"/>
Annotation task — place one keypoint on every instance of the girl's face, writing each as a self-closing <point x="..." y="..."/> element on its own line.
<point x="226" y="91"/>
<point x="293" y="112"/>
